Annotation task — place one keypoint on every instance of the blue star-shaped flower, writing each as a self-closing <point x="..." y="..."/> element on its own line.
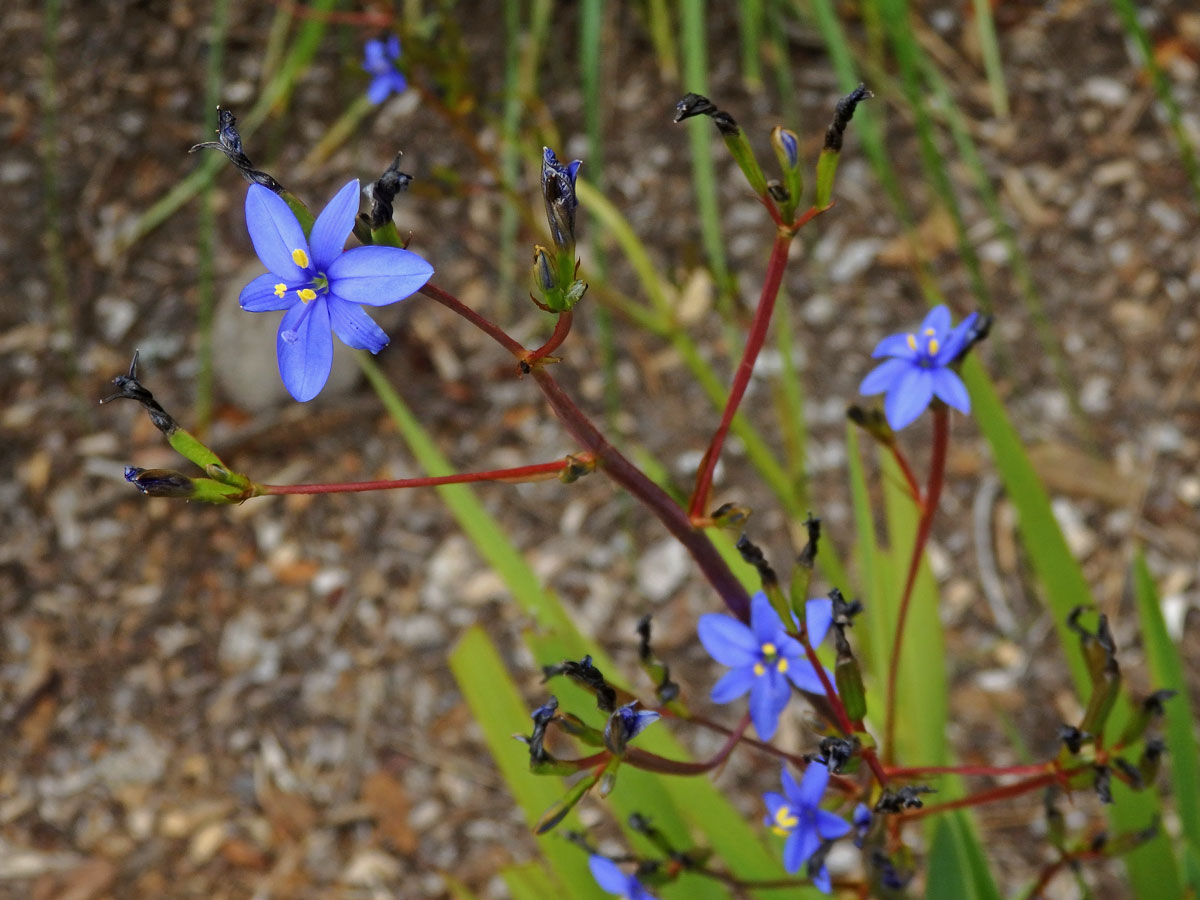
<point x="610" y="877"/>
<point x="764" y="658"/>
<point x="379" y="59"/>
<point x="320" y="286"/>
<point x="918" y="369"/>
<point x="797" y="814"/>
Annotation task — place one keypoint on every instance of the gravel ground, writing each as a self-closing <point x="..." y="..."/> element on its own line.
<point x="254" y="701"/>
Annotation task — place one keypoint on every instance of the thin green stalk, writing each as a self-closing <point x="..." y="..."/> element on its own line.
<point x="207" y="230"/>
<point x="750" y="27"/>
<point x="693" y="18"/>
<point x="1162" y="87"/>
<point x="662" y="35"/>
<point x="985" y="26"/>
<point x="510" y="155"/>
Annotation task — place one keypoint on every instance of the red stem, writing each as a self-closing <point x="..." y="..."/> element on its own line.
<point x="906" y="470"/>
<point x="538" y="472"/>
<point x="921" y="771"/>
<point x="933" y="490"/>
<point x="654" y="498"/>
<point x="989" y="796"/>
<point x="561" y="329"/>
<point x="652" y="762"/>
<point x="616" y="466"/>
<point x="488" y="327"/>
<point x="754" y="342"/>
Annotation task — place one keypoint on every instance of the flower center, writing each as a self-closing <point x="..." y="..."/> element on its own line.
<point x="785" y="821"/>
<point x="928" y="352"/>
<point x="770" y="657"/>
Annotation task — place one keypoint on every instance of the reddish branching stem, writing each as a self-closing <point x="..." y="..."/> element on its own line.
<point x="516" y="475"/>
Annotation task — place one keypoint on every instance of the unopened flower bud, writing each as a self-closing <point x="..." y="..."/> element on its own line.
<point x="558" y="190"/>
<point x="160" y="482"/>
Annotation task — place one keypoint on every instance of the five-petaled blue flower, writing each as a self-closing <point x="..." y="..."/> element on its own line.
<point x="764" y="658"/>
<point x="320" y="286"/>
<point x="797" y="814"/>
<point x="918" y="369"/>
<point x="379" y="59"/>
<point x="610" y="877"/>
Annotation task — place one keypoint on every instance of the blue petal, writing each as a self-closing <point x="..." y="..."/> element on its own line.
<point x="379" y="89"/>
<point x="393" y="48"/>
<point x="768" y="697"/>
<point x="908" y="398"/>
<point x="374" y="56"/>
<point x="638" y="722"/>
<point x="732" y="685"/>
<point x="953" y="344"/>
<point x="355" y="328"/>
<point x="829" y="826"/>
<point x="259" y="295"/>
<point x="821" y="881"/>
<point x="791" y="790"/>
<point x="275" y="233"/>
<point x="895" y="345"/>
<point x="608" y="875"/>
<point x="727" y="640"/>
<point x="883" y="376"/>
<point x="377" y="276"/>
<point x="949" y="387"/>
<point x="333" y="225"/>
<point x="764" y="621"/>
<point x="938" y="319"/>
<point x="812" y="785"/>
<point x="304" y="363"/>
<point x="802" y="674"/>
<point x="818" y="616"/>
<point x="801" y="844"/>
<point x="774" y="803"/>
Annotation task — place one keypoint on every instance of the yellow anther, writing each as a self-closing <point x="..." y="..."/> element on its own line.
<point x="929" y="331"/>
<point x="782" y="665"/>
<point x="785" y="820"/>
<point x="912" y="342"/>
<point x="306" y="294"/>
<point x="280" y="289"/>
<point x="769" y="649"/>
<point x="758" y="669"/>
<point x="300" y="257"/>
<point x="933" y="346"/>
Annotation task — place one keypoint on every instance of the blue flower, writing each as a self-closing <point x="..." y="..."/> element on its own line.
<point x="764" y="658"/>
<point x="321" y="288"/>
<point x="379" y="59"/>
<point x="918" y="369"/>
<point x="797" y="814"/>
<point x="610" y="877"/>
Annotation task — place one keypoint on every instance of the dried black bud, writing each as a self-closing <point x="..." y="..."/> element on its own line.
<point x="837" y="752"/>
<point x="808" y="556"/>
<point x="1073" y="737"/>
<point x="844" y="611"/>
<point x="699" y="105"/>
<point x="753" y="555"/>
<point x="1103" y="784"/>
<point x="842" y="114"/>
<point x="384" y="191"/>
<point x="1131" y="773"/>
<point x="666" y="689"/>
<point x="979" y="330"/>
<point x="586" y="676"/>
<point x="129" y="388"/>
<point x="907" y="797"/>
<point x="230" y="143"/>
<point x="542" y="717"/>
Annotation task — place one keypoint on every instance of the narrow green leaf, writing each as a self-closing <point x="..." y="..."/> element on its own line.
<point x="529" y="882"/>
<point x="1166" y="666"/>
<point x="957" y="866"/>
<point x="497" y="706"/>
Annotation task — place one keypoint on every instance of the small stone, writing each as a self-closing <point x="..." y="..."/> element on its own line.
<point x="662" y="569"/>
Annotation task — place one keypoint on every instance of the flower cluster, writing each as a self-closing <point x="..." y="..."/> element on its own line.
<point x="765" y="659"/>
<point x="320" y="286"/>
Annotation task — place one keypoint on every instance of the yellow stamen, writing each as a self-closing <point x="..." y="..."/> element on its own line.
<point x="912" y="342"/>
<point x="306" y="294"/>
<point x="280" y="289"/>
<point x="769" y="649"/>
<point x="758" y="669"/>
<point x="300" y="257"/>
<point x="785" y="820"/>
<point x="782" y="665"/>
<point x="933" y="346"/>
<point x="929" y="331"/>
